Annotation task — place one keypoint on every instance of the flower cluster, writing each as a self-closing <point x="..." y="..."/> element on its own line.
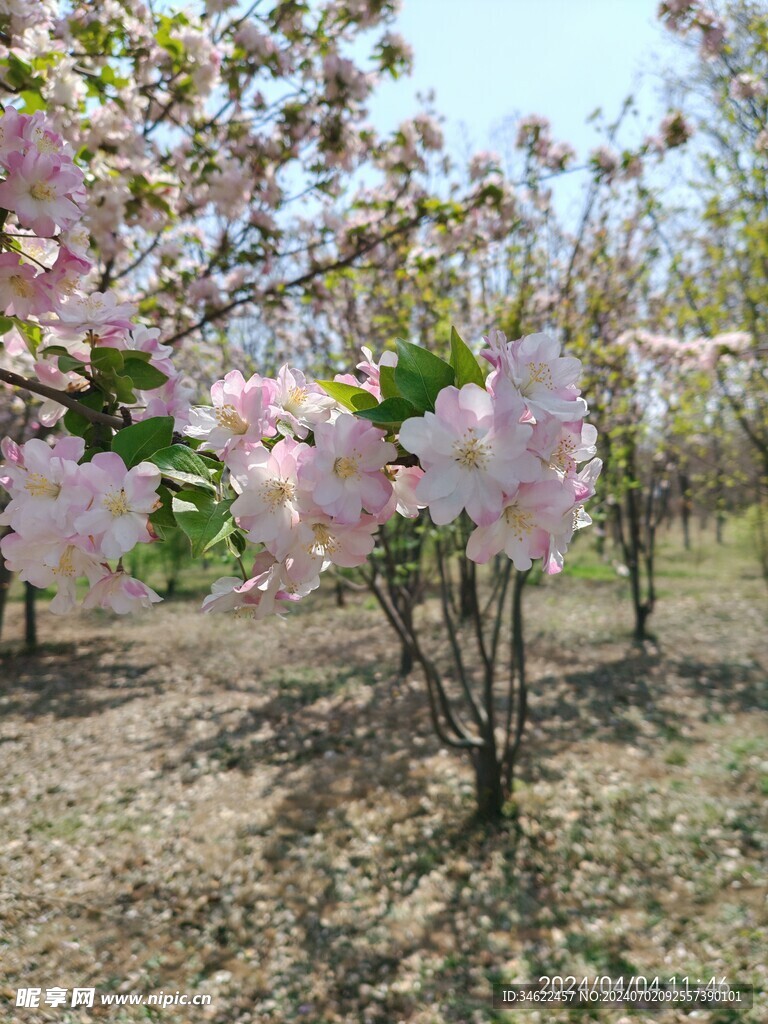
<point x="69" y="519"/>
<point x="42" y="273"/>
<point x="312" y="481"/>
<point x="309" y="506"/>
<point x="305" y="472"/>
<point x="43" y="190"/>
<point x="508" y="454"/>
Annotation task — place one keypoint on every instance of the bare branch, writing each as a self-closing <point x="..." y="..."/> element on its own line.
<point x="63" y="398"/>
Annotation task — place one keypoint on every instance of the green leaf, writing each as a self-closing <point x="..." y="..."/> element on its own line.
<point x="420" y="376"/>
<point x="6" y="323"/>
<point x="464" y="363"/>
<point x="144" y="375"/>
<point x="392" y="411"/>
<point x="139" y="442"/>
<point x="77" y="424"/>
<point x="54" y="350"/>
<point x="348" y="395"/>
<point x="204" y="520"/>
<point x="181" y="464"/>
<point x="387" y="382"/>
<point x="33" y="101"/>
<point x="106" y="360"/>
<point x="123" y="390"/>
<point x="68" y="362"/>
<point x="236" y="544"/>
<point x="33" y="334"/>
<point x="162" y="518"/>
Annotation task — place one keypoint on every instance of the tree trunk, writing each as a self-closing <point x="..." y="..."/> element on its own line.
<point x="686" y="507"/>
<point x="488" y="784"/>
<point x="406" y="661"/>
<point x="30" y="617"/>
<point x="5" y="584"/>
<point x="719" y="526"/>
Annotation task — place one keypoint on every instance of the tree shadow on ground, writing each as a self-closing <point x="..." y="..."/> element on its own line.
<point x="625" y="701"/>
<point x="351" y="740"/>
<point x="74" y="679"/>
<point x="726" y="686"/>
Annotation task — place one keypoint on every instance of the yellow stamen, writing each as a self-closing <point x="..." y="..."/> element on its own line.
<point x="22" y="286"/>
<point x="324" y="543"/>
<point x="295" y="399"/>
<point x="518" y="520"/>
<point x="541" y="374"/>
<point x="346" y="466"/>
<point x="471" y="452"/>
<point x="43" y="192"/>
<point x="228" y="416"/>
<point x="41" y="487"/>
<point x="278" y="492"/>
<point x="116" y="503"/>
<point x="66" y="566"/>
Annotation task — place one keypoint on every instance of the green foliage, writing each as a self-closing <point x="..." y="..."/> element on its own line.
<point x="181" y="464"/>
<point x="390" y="413"/>
<point x="140" y="441"/>
<point x="465" y="365"/>
<point x="79" y="425"/>
<point x="351" y="397"/>
<point x="420" y="376"/>
<point x="204" y="520"/>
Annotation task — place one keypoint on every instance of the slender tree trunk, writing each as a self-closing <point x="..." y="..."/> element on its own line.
<point x="488" y="786"/>
<point x="30" y="617"/>
<point x="719" y="527"/>
<point x="686" y="507"/>
<point x="5" y="584"/>
<point x="518" y="693"/>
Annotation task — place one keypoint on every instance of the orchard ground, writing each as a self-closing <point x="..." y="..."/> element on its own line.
<point x="261" y="811"/>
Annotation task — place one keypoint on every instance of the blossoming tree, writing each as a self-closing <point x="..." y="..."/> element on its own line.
<point x="292" y="475"/>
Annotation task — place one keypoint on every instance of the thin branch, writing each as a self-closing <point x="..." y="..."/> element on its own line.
<point x="450" y="625"/>
<point x="309" y="275"/>
<point x="63" y="398"/>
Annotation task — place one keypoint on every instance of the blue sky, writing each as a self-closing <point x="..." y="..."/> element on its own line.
<point x="489" y="59"/>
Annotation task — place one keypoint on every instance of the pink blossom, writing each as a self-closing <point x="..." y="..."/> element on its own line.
<point x="545" y="379"/>
<point x="372" y="369"/>
<point x="321" y="541"/>
<point x="298" y="403"/>
<point x="343" y="472"/>
<point x="47" y="560"/>
<point x="257" y="596"/>
<point x="523" y="529"/>
<point x="99" y="313"/>
<point x="22" y="289"/>
<point x="267" y="482"/>
<point x="66" y="274"/>
<point x="537" y="521"/>
<point x="121" y="593"/>
<point x="473" y="449"/>
<point x="605" y="160"/>
<point x="675" y="129"/>
<point x="170" y="399"/>
<point x="563" y="445"/>
<point x="118" y="513"/>
<point x="241" y="413"/>
<point x="12" y="138"/>
<point x="39" y="191"/>
<point x="50" y="411"/>
<point x="746" y="87"/>
<point x="44" y="484"/>
<point x="405" y="480"/>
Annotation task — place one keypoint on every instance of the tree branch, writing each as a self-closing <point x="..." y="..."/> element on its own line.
<point x="63" y="398"/>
